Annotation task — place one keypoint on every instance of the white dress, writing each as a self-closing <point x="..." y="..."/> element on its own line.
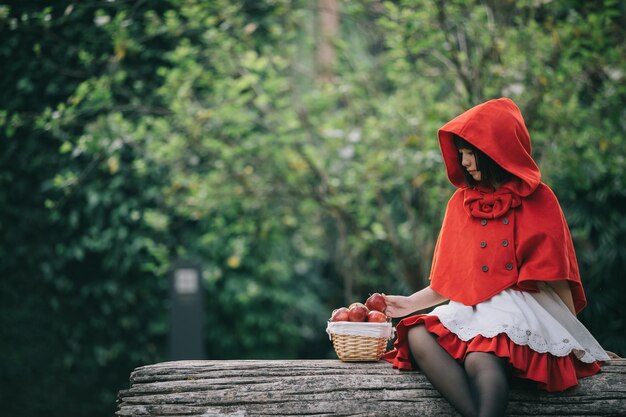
<point x="538" y="320"/>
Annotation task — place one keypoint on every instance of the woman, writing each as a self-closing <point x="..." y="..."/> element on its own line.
<point x="505" y="260"/>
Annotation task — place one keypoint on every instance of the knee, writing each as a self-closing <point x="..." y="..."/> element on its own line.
<point x="479" y="362"/>
<point x="474" y="361"/>
<point x="419" y="339"/>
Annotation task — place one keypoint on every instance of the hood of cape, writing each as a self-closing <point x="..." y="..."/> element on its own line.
<point x="497" y="128"/>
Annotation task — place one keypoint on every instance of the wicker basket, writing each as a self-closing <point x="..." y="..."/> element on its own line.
<point x="359" y="342"/>
<point x="351" y="348"/>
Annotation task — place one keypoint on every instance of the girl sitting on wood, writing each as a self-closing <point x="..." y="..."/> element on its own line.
<point x="505" y="260"/>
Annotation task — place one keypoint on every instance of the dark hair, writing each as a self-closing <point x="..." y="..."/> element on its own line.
<point x="491" y="173"/>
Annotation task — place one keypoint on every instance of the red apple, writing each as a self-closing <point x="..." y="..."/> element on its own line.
<point x="357" y="312"/>
<point x="340" y="314"/>
<point x="376" y="302"/>
<point x="376" y="316"/>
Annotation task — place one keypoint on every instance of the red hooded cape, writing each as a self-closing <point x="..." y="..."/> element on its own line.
<point x="513" y="237"/>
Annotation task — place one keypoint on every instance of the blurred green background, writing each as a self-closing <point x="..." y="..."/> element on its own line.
<point x="290" y="148"/>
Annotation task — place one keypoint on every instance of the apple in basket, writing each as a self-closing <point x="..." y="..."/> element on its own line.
<point x="357" y="312"/>
<point x="340" y="314"/>
<point x="376" y="317"/>
<point x="376" y="302"/>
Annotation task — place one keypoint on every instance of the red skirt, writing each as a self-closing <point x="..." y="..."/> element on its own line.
<point x="552" y="373"/>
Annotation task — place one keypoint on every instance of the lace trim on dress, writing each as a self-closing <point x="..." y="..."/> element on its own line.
<point x="538" y="320"/>
<point x="526" y="337"/>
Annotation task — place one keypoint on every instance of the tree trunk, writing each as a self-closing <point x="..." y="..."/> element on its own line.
<point x="332" y="387"/>
<point x="329" y="29"/>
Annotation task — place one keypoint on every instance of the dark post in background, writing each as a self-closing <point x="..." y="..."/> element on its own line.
<point x="186" y="312"/>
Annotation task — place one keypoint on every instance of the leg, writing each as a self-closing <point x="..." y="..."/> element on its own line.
<point x="442" y="370"/>
<point x="488" y="379"/>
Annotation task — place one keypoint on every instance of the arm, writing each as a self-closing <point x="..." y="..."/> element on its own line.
<point x="400" y="306"/>
<point x="561" y="288"/>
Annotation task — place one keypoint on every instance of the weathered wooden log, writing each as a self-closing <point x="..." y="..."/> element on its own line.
<point x="332" y="387"/>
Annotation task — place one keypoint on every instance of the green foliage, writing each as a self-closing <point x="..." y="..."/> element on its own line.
<point x="135" y="134"/>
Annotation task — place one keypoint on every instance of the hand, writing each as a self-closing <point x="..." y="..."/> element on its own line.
<point x="398" y="305"/>
<point x="612" y="355"/>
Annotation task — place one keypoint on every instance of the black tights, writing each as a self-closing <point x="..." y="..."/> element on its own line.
<point x="479" y="387"/>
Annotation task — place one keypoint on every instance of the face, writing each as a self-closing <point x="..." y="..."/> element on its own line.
<point x="468" y="160"/>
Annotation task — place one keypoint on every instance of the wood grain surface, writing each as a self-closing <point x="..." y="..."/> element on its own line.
<point x="335" y="388"/>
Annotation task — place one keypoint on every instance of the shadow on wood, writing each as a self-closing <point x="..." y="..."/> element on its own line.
<point x="332" y="387"/>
